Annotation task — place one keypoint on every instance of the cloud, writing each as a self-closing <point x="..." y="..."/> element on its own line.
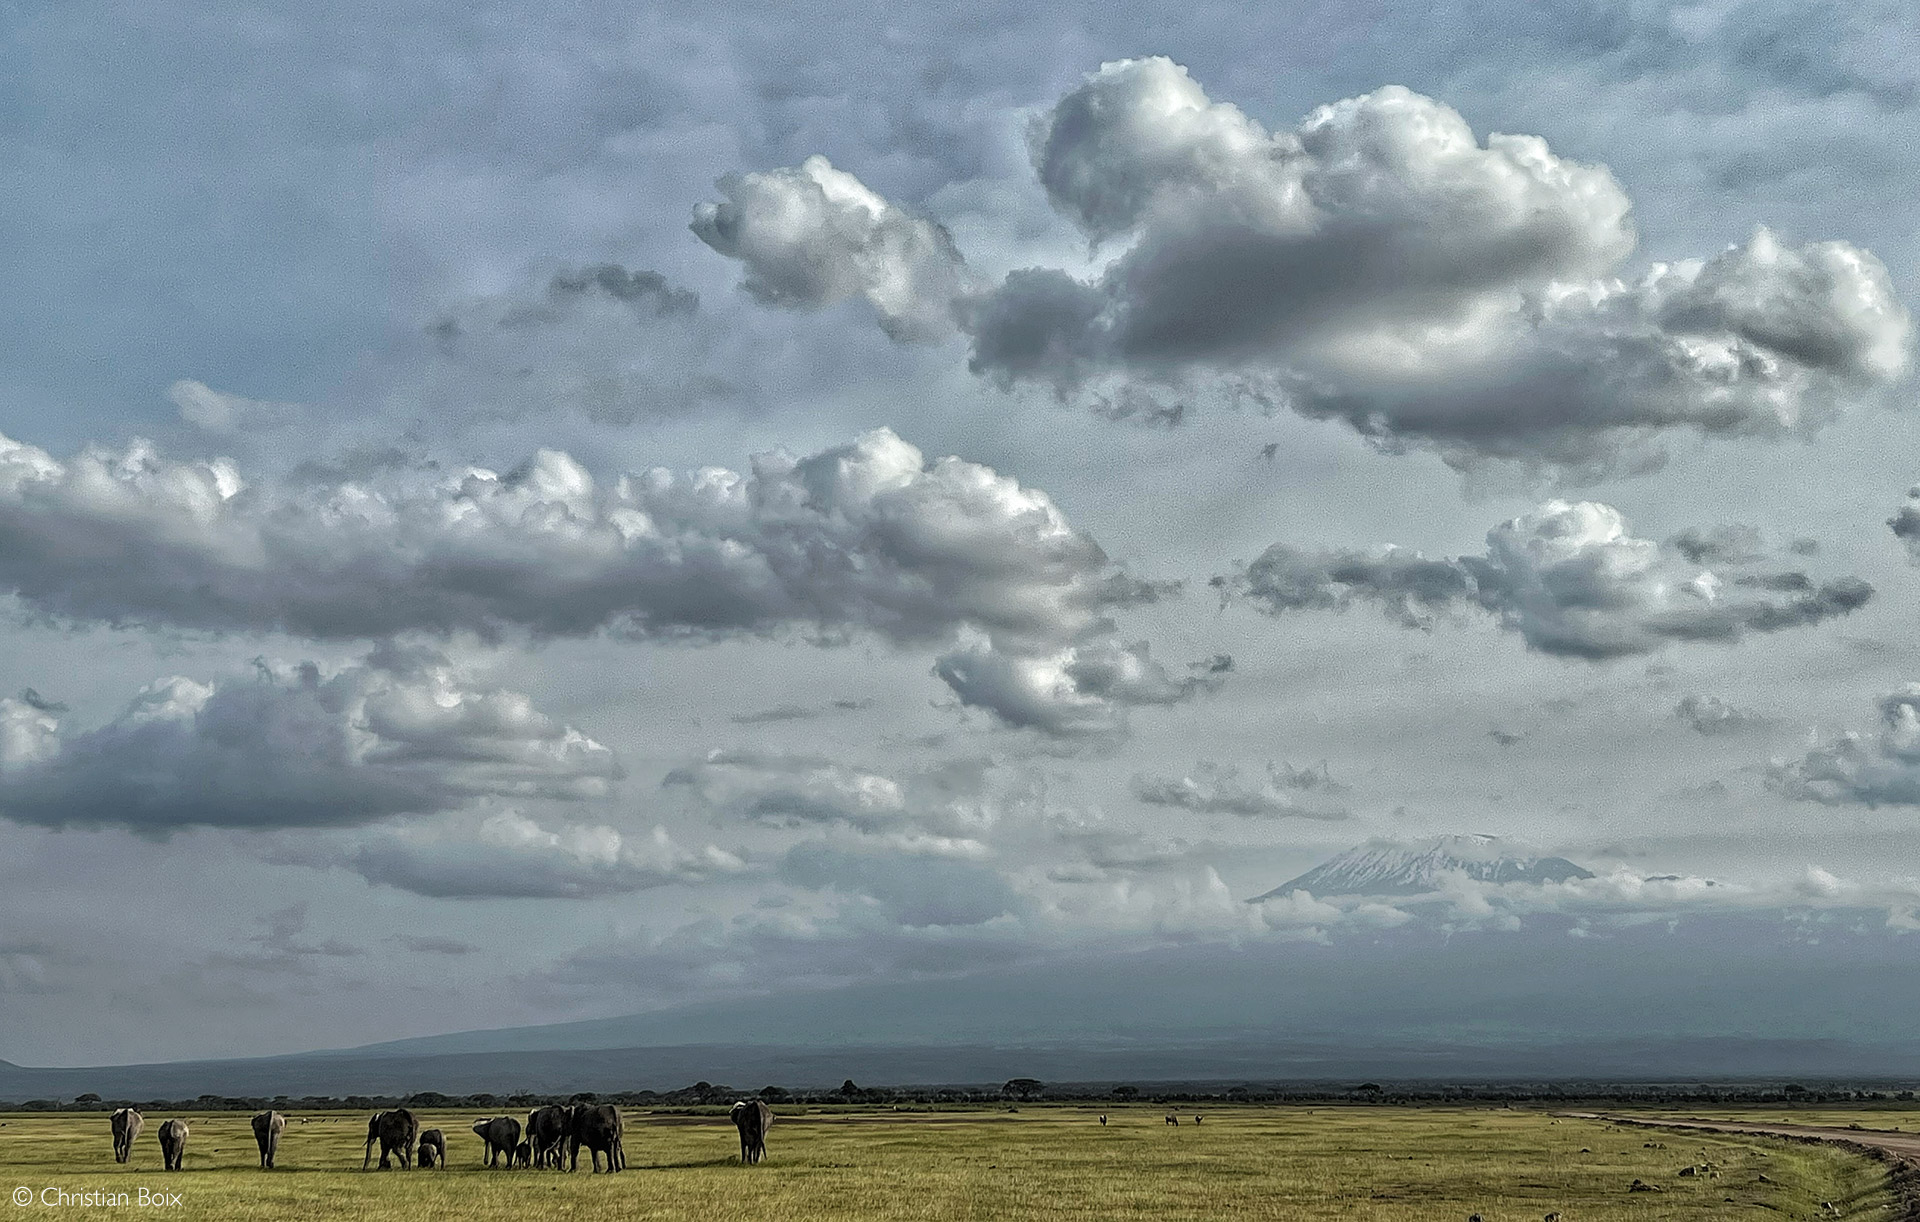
<point x="507" y="855"/>
<point x="1857" y="768"/>
<point x="910" y="888"/>
<point x="1380" y="214"/>
<point x="43" y="704"/>
<point x="1761" y="340"/>
<point x="1082" y="691"/>
<point x="646" y="292"/>
<point x="799" y="712"/>
<point x="812" y="236"/>
<point x="1216" y="789"/>
<point x="1906" y="524"/>
<point x="868" y="537"/>
<point x="612" y="343"/>
<point x="434" y="945"/>
<point x="404" y="732"/>
<point x="1568" y="578"/>
<point x="1378" y="264"/>
<point x="281" y="944"/>
<point x="1711" y="716"/>
<point x="793" y="790"/>
<point x="219" y="412"/>
<point x="1728" y="543"/>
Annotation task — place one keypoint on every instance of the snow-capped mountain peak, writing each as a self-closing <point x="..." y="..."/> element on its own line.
<point x="1383" y="867"/>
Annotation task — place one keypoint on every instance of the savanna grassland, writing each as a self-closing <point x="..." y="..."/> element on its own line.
<point x="1391" y="1164"/>
<point x="1903" y="1118"/>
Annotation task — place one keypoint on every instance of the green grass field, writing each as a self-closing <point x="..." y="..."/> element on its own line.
<point x="1396" y="1165"/>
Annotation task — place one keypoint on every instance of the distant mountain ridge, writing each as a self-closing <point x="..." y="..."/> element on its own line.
<point x="1386" y="868"/>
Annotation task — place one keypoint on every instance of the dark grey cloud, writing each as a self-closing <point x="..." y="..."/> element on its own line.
<point x="1568" y="578"/>
<point x="41" y="704"/>
<point x="1906" y="524"/>
<point x="1855" y="768"/>
<point x="1728" y="543"/>
<point x="646" y="291"/>
<point x="1283" y="792"/>
<point x="406" y="731"/>
<point x="1379" y="264"/>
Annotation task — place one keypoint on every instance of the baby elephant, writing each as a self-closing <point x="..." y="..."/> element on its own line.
<point x="433" y="1149"/>
<point x="173" y="1143"/>
<point x="266" y="1134"/>
<point x="523" y="1154"/>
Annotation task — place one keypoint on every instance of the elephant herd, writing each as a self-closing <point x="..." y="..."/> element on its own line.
<point x="127" y="1123"/>
<point x="553" y="1137"/>
<point x="550" y="1138"/>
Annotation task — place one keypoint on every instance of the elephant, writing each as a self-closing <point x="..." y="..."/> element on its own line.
<point x="547" y="1129"/>
<point x="523" y="1154"/>
<point x="127" y="1124"/>
<point x="502" y="1134"/>
<point x="396" y="1132"/>
<point x="751" y="1117"/>
<point x="433" y="1149"/>
<point x="266" y="1134"/>
<point x="173" y="1143"/>
<point x="598" y="1129"/>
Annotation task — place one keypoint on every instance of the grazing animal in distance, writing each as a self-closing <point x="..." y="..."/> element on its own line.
<point x="127" y="1124"/>
<point x="173" y="1143"/>
<point x="267" y="1127"/>
<point x="433" y="1149"/>
<point x="1172" y="1119"/>
<point x="751" y="1117"/>
<point x="502" y="1135"/>
<point x="1196" y="1117"/>
<point x="396" y="1131"/>
<point x="1552" y="1217"/>
<point x="1103" y="1119"/>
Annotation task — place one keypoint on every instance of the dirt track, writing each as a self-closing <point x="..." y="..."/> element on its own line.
<point x="1899" y="1151"/>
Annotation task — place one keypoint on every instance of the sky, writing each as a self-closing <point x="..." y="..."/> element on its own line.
<point x="514" y="515"/>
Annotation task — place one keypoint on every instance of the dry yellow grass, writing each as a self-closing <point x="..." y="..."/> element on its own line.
<point x="1053" y="1163"/>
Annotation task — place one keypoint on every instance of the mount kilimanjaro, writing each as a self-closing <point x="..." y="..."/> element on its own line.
<point x="1386" y="868"/>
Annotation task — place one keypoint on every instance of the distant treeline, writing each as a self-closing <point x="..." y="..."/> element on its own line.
<point x="703" y="1095"/>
